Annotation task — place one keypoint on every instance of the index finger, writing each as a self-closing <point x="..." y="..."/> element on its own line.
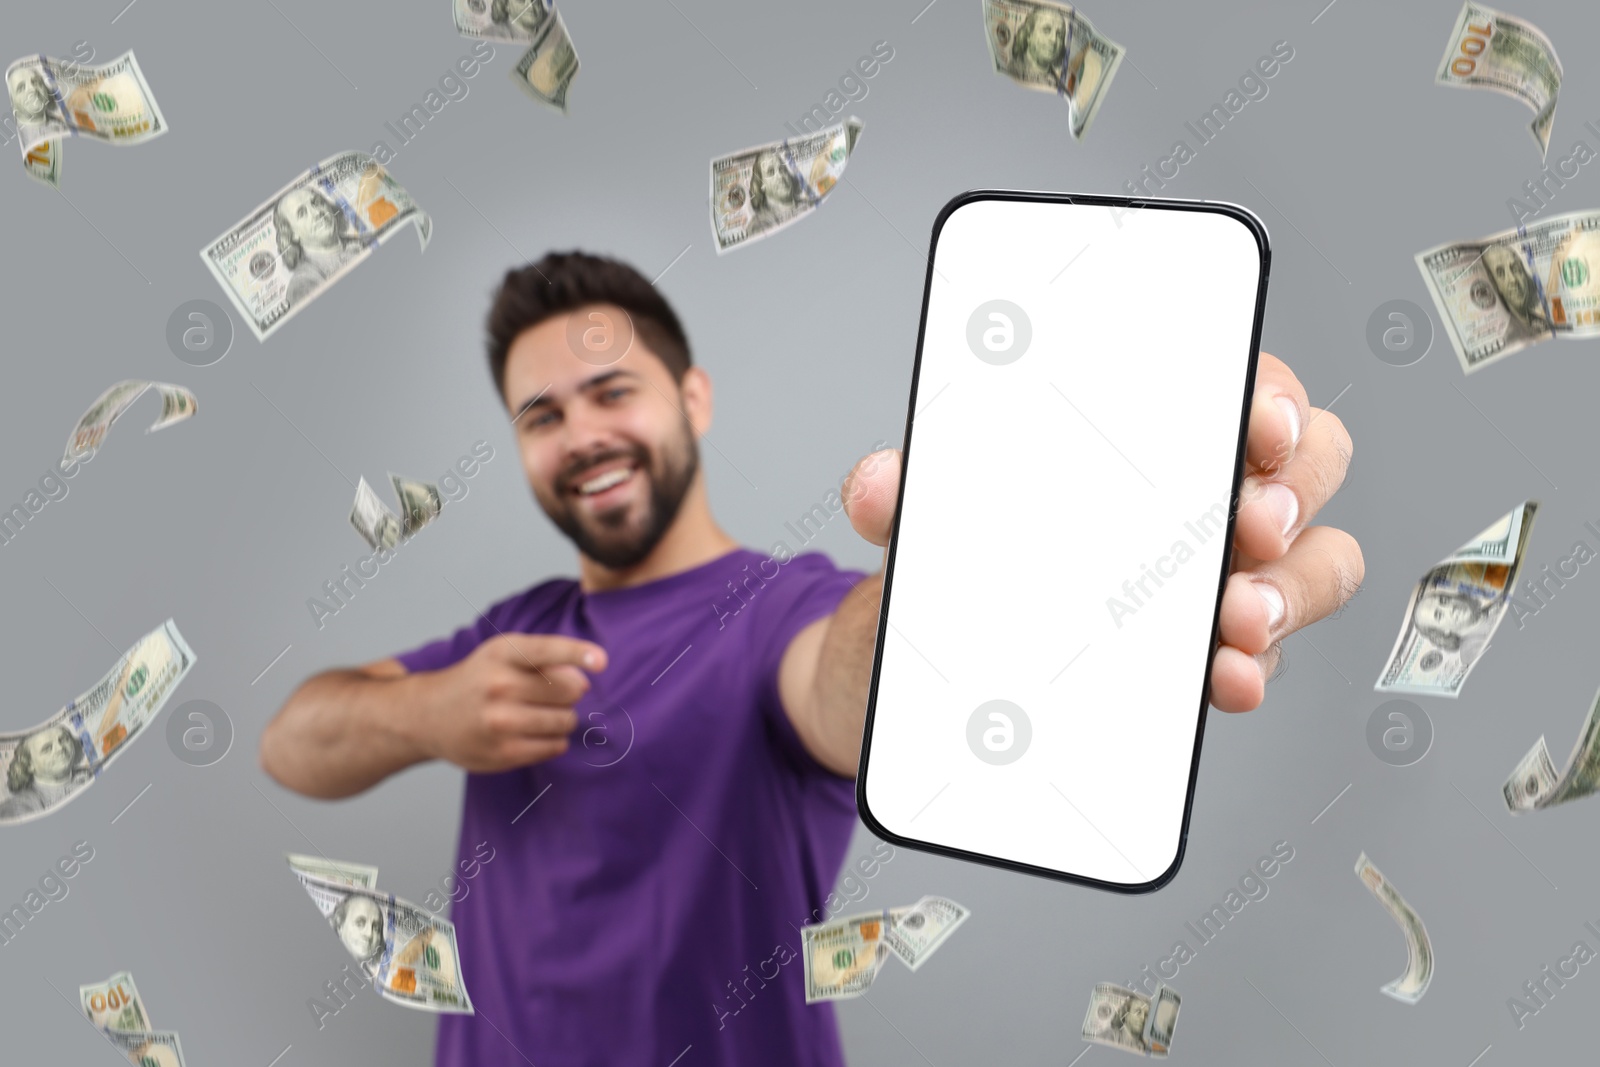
<point x="546" y="650"/>
<point x="1279" y="412"/>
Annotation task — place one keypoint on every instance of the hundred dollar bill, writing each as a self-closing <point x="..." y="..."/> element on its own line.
<point x="512" y="21"/>
<point x="49" y="765"/>
<point x="758" y="191"/>
<point x="409" y="953"/>
<point x="546" y="70"/>
<point x="1413" y="981"/>
<point x="1489" y="49"/>
<point x="843" y="956"/>
<point x="915" y="933"/>
<point x="1455" y="609"/>
<point x="341" y="871"/>
<point x="420" y="503"/>
<point x="1502" y="293"/>
<point x="380" y="527"/>
<point x="177" y="404"/>
<point x="308" y="235"/>
<point x="1129" y="1020"/>
<point x="1028" y="40"/>
<point x="54" y="98"/>
<point x="114" y="1004"/>
<point x="1536" y="783"/>
<point x="145" y="1049"/>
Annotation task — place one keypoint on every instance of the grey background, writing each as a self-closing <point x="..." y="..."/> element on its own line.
<point x="229" y="522"/>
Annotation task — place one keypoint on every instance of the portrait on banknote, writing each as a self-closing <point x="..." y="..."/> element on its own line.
<point x="47" y="768"/>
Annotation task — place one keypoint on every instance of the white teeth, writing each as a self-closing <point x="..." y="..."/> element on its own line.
<point x="605" y="481"/>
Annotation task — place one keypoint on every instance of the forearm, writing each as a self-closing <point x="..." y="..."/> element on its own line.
<point x="844" y="675"/>
<point x="344" y="731"/>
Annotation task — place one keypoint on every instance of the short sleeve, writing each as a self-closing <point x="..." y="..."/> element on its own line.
<point x="448" y="651"/>
<point x="807" y="588"/>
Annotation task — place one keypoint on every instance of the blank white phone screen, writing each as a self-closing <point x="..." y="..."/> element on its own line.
<point x="1055" y="573"/>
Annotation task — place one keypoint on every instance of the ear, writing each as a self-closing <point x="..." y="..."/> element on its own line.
<point x="697" y="400"/>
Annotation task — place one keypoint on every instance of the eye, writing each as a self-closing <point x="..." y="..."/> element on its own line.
<point x="616" y="392"/>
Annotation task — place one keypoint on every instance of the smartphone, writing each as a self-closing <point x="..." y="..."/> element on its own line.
<point x="1072" y="459"/>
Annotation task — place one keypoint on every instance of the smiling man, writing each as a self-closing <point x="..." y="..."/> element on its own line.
<point x="708" y="799"/>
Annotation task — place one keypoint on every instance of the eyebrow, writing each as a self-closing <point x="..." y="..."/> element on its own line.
<point x="590" y="384"/>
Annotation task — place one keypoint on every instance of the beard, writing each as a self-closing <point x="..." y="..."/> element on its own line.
<point x="608" y="537"/>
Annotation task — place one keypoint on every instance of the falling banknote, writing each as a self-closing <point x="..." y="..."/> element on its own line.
<point x="1499" y="294"/>
<point x="420" y="504"/>
<point x="1129" y="1020"/>
<point x="1028" y="40"/>
<point x="547" y="68"/>
<point x="1456" y="608"/>
<point x="1489" y="49"/>
<point x="47" y="766"/>
<point x="328" y="870"/>
<point x="1536" y="784"/>
<point x="114" y="1006"/>
<point x="758" y="191"/>
<point x="308" y="235"/>
<point x="409" y="954"/>
<point x="1413" y="982"/>
<point x="56" y="98"/>
<point x="843" y="956"/>
<point x="177" y="404"/>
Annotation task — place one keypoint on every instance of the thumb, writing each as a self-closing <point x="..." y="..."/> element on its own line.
<point x="871" y="493"/>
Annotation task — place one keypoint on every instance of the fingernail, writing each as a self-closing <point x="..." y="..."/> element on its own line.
<point x="1283" y="504"/>
<point x="590" y="659"/>
<point x="1291" y="412"/>
<point x="1274" y="601"/>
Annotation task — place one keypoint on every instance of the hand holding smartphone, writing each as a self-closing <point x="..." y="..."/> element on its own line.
<point x="1071" y="467"/>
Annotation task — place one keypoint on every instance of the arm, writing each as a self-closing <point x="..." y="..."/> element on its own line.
<point x="344" y="731"/>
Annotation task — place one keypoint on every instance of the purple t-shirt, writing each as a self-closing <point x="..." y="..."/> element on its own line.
<point x="646" y="887"/>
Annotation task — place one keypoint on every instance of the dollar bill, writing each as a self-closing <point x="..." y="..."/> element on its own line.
<point x="1536" y="783"/>
<point x="1502" y="293"/>
<point x="915" y="933"/>
<point x="409" y="953"/>
<point x="1489" y="49"/>
<point x="53" y="99"/>
<point x="49" y="765"/>
<point x="308" y="235"/>
<point x="177" y="404"/>
<point x="378" y="526"/>
<point x="420" y="503"/>
<point x="512" y="21"/>
<point x="758" y="191"/>
<point x="1455" y="610"/>
<point x="147" y="1049"/>
<point x="1127" y="1019"/>
<point x="340" y="871"/>
<point x="115" y="1004"/>
<point x="843" y="956"/>
<point x="1028" y="41"/>
<point x="546" y="69"/>
<point x="1413" y="981"/>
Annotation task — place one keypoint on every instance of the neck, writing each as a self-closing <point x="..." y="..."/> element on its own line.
<point x="693" y="539"/>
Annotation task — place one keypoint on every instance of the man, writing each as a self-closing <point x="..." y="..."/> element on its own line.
<point x="1454" y="622"/>
<point x="359" y="923"/>
<point x="44" y="772"/>
<point x="1039" y="47"/>
<point x="642" y="905"/>
<point x="1516" y="289"/>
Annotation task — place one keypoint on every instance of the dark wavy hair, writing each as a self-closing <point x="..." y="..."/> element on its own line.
<point x="564" y="281"/>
